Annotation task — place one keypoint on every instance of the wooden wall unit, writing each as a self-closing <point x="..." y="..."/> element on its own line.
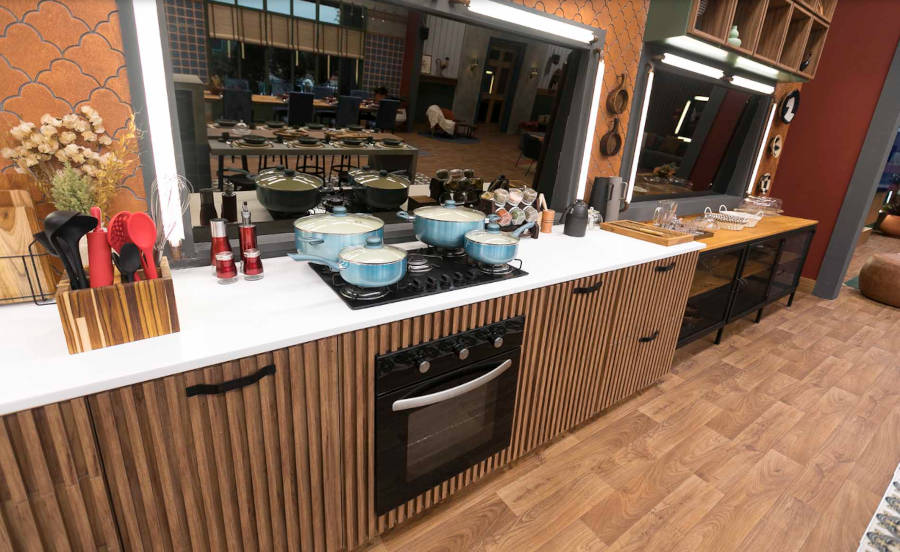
<point x="285" y="461"/>
<point x="52" y="490"/>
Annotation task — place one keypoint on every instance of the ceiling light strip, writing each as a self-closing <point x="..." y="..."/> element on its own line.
<point x="532" y="20"/>
<point x="639" y="136"/>
<point x="762" y="148"/>
<point x="591" y="129"/>
<point x="691" y="65"/>
<point x="752" y="85"/>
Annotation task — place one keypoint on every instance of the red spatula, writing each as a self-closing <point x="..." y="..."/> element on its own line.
<point x="117" y="231"/>
<point x="142" y="233"/>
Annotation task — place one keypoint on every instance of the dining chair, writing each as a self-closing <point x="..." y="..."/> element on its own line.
<point x="300" y="108"/>
<point x="364" y="94"/>
<point x="347" y="111"/>
<point x="322" y="91"/>
<point x="237" y="105"/>
<point x="347" y="114"/>
<point x="237" y="84"/>
<point x="386" y="117"/>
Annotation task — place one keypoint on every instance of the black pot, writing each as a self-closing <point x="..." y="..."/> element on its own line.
<point x="352" y="141"/>
<point x="315" y="126"/>
<point x="380" y="189"/>
<point x="254" y="139"/>
<point x="287" y="191"/>
<point x="226" y="123"/>
<point x="275" y="124"/>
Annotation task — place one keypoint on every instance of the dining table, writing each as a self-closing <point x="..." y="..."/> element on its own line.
<point x="379" y="156"/>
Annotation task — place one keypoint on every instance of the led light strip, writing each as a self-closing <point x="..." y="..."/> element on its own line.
<point x="589" y="137"/>
<point x="639" y="140"/>
<point x="752" y="85"/>
<point x="526" y="18"/>
<point x="762" y="148"/>
<point x="146" y="19"/>
<point x="691" y="65"/>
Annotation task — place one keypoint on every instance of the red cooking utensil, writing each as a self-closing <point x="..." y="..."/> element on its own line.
<point x="142" y="233"/>
<point x="118" y="230"/>
<point x="99" y="255"/>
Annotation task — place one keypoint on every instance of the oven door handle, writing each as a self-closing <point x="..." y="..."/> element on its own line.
<point x="447" y="394"/>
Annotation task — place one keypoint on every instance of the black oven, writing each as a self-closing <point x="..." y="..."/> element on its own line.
<point x="442" y="407"/>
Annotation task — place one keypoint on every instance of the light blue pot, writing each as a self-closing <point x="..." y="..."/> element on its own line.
<point x="362" y="274"/>
<point x="328" y="245"/>
<point x="495" y="253"/>
<point x="441" y="233"/>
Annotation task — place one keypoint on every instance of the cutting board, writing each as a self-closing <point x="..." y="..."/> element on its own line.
<point x="17" y="224"/>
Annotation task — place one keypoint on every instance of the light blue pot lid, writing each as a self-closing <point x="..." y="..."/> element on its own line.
<point x="491" y="235"/>
<point x="338" y="222"/>
<point x="449" y="212"/>
<point x="373" y="252"/>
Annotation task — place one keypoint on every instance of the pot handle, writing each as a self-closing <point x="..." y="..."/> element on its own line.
<point x="315" y="258"/>
<point x="520" y="230"/>
<point x="406" y="216"/>
<point x="309" y="239"/>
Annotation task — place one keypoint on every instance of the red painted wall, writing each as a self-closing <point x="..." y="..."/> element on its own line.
<point x="835" y="110"/>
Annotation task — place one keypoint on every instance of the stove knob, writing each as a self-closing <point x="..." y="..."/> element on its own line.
<point x="497" y="337"/>
<point x="498" y="342"/>
<point x="422" y="363"/>
<point x="462" y="352"/>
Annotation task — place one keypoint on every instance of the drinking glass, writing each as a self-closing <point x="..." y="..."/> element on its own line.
<point x="664" y="214"/>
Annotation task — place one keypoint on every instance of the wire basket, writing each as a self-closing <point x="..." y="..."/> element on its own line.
<point x="728" y="220"/>
<point x="29" y="263"/>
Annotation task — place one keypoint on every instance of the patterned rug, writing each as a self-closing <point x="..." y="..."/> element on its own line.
<point x="883" y="532"/>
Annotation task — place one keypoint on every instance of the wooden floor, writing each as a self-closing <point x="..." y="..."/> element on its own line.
<point x="782" y="438"/>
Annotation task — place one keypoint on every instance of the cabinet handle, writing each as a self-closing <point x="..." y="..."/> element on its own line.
<point x="666" y="268"/>
<point x="237" y="383"/>
<point x="588" y="289"/>
<point x="649" y="338"/>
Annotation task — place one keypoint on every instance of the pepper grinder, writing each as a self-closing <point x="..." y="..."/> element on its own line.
<point x="229" y="202"/>
<point x="207" y="206"/>
<point x="218" y="232"/>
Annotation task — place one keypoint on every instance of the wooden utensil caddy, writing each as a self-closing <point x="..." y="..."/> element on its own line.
<point x="633" y="230"/>
<point x="94" y="318"/>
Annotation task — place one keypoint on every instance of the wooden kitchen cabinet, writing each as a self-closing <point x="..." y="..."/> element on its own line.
<point x="251" y="464"/>
<point x="644" y="328"/>
<point x="52" y="491"/>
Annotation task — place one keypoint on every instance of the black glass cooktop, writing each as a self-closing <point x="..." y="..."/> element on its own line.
<point x="429" y="271"/>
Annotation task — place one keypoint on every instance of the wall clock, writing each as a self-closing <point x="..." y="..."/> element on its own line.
<point x="789" y="106"/>
<point x="775" y="146"/>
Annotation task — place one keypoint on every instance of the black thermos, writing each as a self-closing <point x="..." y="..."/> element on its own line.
<point x="576" y="219"/>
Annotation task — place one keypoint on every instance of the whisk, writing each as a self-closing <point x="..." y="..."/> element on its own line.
<point x="177" y="195"/>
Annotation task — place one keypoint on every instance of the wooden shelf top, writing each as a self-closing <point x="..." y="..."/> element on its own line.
<point x="768" y="226"/>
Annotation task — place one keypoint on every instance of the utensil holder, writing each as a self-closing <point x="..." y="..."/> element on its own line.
<point x="94" y="318"/>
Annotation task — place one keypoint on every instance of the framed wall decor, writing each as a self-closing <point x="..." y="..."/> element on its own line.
<point x="426" y="64"/>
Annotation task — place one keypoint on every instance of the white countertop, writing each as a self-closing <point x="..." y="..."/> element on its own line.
<point x="290" y="305"/>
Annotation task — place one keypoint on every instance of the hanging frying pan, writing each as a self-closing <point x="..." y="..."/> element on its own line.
<point x="611" y="142"/>
<point x="617" y="99"/>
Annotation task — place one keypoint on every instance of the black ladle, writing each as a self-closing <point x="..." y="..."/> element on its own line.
<point x="65" y="229"/>
<point x="128" y="261"/>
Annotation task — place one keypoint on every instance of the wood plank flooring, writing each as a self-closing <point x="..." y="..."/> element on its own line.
<point x="782" y="438"/>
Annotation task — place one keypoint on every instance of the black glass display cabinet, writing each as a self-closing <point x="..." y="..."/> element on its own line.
<point x="738" y="280"/>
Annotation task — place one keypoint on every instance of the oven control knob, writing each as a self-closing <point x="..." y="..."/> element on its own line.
<point x="498" y="341"/>
<point x="462" y="352"/>
<point x="424" y="366"/>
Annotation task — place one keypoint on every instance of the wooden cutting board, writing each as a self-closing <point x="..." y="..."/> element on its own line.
<point x="17" y="224"/>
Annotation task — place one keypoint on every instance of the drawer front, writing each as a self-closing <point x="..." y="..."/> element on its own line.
<point x="646" y="324"/>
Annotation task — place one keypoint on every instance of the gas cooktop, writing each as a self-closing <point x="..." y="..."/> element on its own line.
<point x="430" y="271"/>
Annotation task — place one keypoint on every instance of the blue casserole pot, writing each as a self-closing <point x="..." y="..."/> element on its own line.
<point x="493" y="247"/>
<point x="444" y="226"/>
<point x="324" y="235"/>
<point x="368" y="266"/>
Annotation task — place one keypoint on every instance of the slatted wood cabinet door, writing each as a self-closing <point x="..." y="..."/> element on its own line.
<point x="644" y="329"/>
<point x="52" y="491"/>
<point x="250" y="462"/>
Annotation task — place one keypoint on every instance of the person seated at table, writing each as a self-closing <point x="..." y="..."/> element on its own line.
<point x="380" y="93"/>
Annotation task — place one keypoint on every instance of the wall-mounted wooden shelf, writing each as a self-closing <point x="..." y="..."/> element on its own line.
<point x="779" y="33"/>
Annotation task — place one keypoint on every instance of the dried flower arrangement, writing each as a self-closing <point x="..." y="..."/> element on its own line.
<point x="77" y="142"/>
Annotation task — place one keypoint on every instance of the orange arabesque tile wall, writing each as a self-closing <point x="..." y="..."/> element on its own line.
<point x="56" y="56"/>
<point x="623" y="21"/>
